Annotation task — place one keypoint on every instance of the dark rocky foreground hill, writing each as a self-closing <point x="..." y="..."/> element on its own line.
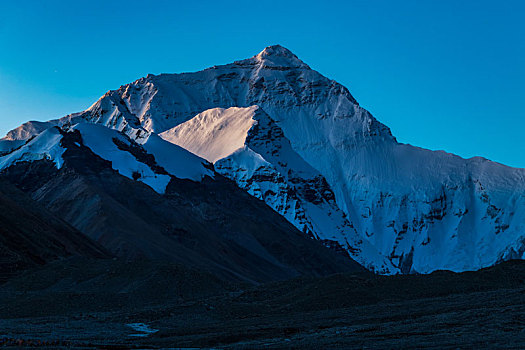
<point x="31" y="235"/>
<point x="82" y="303"/>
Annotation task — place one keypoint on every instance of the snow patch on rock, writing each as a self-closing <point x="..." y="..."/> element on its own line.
<point x="114" y="146"/>
<point x="44" y="146"/>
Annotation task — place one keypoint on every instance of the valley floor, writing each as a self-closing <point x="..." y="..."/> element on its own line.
<point x="59" y="305"/>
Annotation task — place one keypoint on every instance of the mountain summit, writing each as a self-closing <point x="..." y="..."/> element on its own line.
<point x="301" y="143"/>
<point x="276" y="56"/>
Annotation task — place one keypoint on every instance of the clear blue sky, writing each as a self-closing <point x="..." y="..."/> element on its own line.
<point x="442" y="74"/>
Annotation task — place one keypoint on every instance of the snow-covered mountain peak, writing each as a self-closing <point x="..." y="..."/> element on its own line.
<point x="299" y="141"/>
<point x="275" y="50"/>
<point x="275" y="79"/>
<point x="276" y="56"/>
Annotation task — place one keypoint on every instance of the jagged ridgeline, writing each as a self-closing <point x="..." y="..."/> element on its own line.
<point x="300" y="142"/>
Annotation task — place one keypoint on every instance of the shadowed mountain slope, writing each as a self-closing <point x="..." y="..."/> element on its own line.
<point x="209" y="224"/>
<point x="31" y="235"/>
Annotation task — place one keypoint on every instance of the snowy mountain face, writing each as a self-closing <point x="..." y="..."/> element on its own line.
<point x="247" y="146"/>
<point x="154" y="162"/>
<point x="300" y="142"/>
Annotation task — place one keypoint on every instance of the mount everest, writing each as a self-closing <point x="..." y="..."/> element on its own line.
<point x="300" y="142"/>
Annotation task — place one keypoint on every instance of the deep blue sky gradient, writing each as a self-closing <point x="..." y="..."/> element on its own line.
<point x="441" y="74"/>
